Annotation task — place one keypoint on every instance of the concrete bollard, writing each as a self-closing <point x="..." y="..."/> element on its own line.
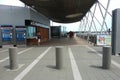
<point x="13" y="58"/>
<point x="59" y="57"/>
<point x="106" y="61"/>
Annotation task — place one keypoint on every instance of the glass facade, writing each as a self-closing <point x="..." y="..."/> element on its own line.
<point x="31" y="32"/>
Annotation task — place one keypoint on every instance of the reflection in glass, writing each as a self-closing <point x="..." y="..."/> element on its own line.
<point x="31" y="32"/>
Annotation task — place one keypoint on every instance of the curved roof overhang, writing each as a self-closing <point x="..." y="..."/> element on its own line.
<point x="62" y="11"/>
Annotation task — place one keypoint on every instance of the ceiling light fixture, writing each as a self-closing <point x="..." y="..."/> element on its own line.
<point x="74" y="15"/>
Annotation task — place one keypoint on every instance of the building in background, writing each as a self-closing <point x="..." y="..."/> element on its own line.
<point x="55" y="31"/>
<point x="19" y="25"/>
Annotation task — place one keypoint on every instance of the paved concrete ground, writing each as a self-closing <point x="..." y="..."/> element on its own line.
<point x="82" y="61"/>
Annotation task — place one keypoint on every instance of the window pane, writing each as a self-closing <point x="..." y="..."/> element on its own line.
<point x="31" y="32"/>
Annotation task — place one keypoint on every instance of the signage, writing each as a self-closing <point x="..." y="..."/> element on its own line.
<point x="20" y="33"/>
<point x="103" y="39"/>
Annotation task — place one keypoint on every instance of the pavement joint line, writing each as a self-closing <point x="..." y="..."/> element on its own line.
<point x="4" y="50"/>
<point x="26" y="70"/>
<point x="79" y="45"/>
<point x="75" y="70"/>
<point x="113" y="62"/>
<point x="24" y="50"/>
<point x="19" y="67"/>
<point x="18" y="53"/>
<point x="4" y="59"/>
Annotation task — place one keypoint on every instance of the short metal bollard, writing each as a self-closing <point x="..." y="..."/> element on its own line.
<point x="106" y="61"/>
<point x="59" y="57"/>
<point x="13" y="58"/>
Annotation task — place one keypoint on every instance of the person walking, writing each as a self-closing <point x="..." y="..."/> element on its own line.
<point x="71" y="34"/>
<point x="38" y="38"/>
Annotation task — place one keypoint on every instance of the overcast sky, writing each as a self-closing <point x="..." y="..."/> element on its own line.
<point x="12" y="2"/>
<point x="73" y="26"/>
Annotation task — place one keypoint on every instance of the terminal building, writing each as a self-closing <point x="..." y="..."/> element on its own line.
<point x="19" y="25"/>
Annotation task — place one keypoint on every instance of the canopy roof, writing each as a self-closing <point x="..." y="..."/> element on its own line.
<point x="63" y="11"/>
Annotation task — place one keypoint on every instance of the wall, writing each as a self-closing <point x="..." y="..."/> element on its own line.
<point x="11" y="15"/>
<point x="35" y="16"/>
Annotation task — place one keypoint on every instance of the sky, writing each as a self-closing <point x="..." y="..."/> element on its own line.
<point x="12" y="2"/>
<point x="75" y="26"/>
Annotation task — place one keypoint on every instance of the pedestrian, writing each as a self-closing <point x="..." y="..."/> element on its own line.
<point x="38" y="38"/>
<point x="71" y="34"/>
